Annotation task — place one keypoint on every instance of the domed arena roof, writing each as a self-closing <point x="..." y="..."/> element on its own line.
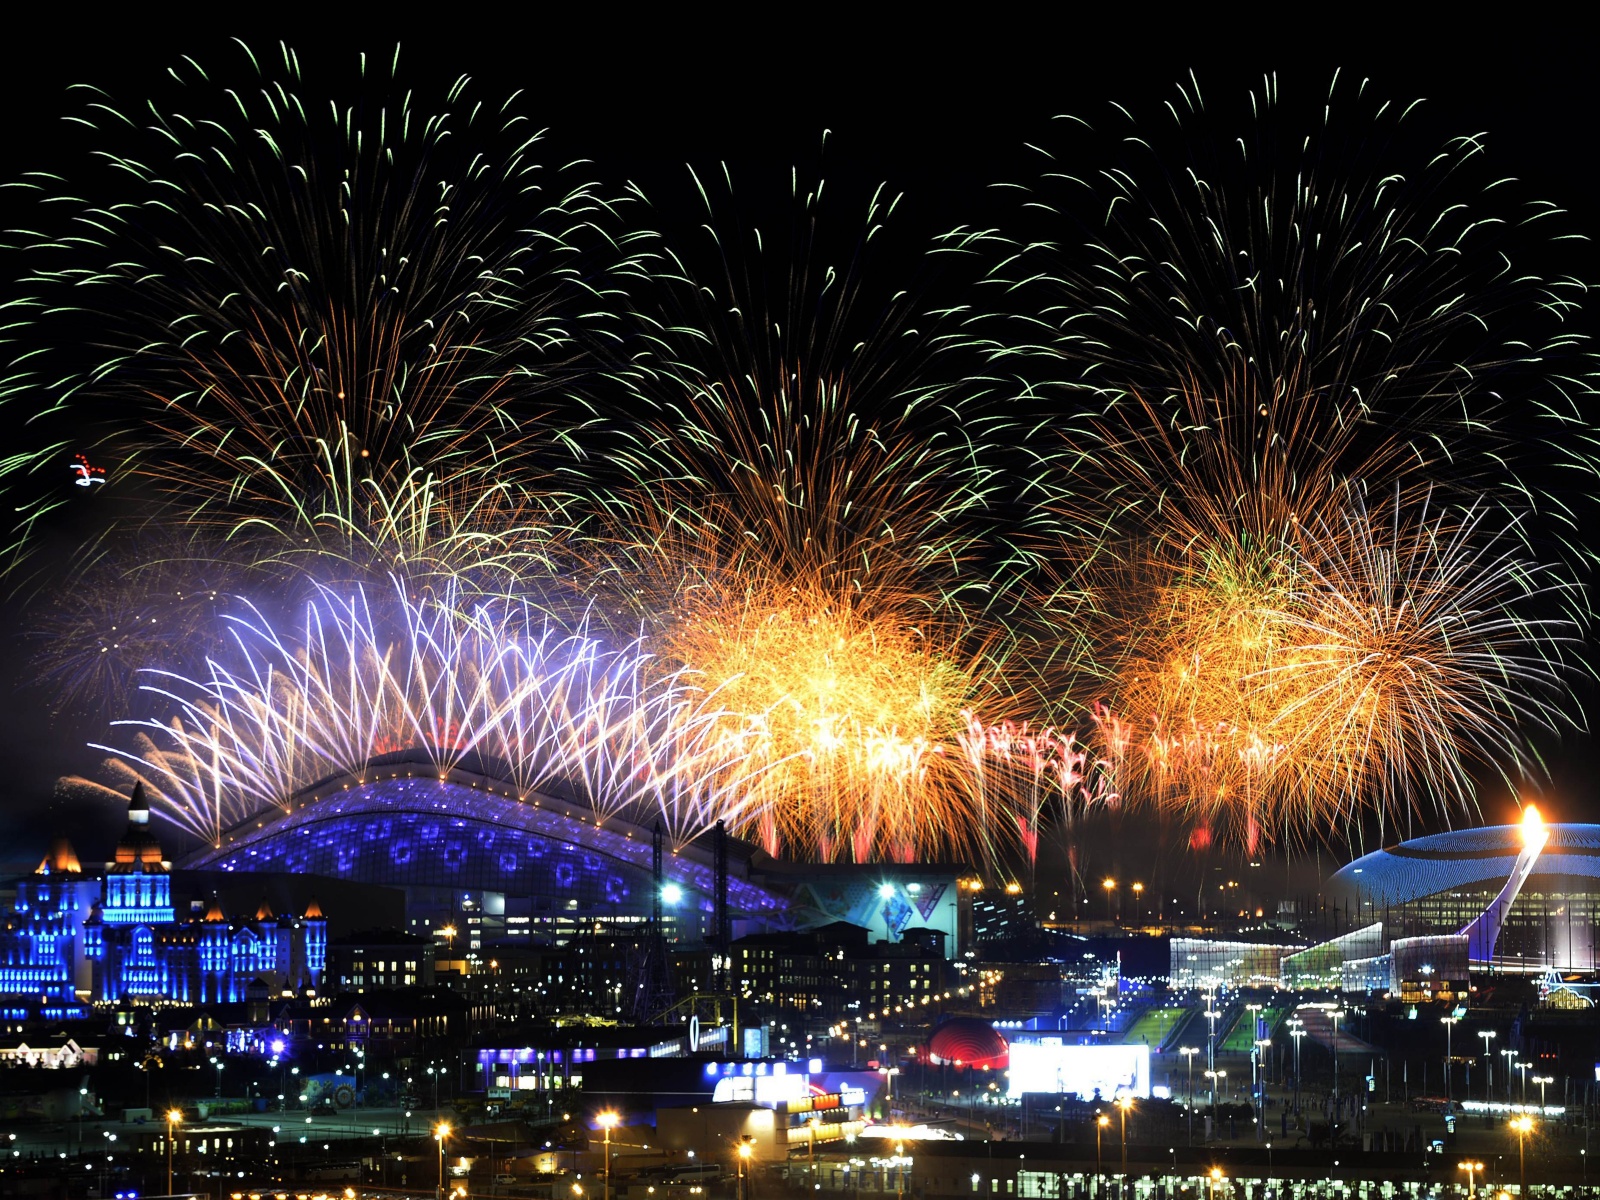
<point x="969" y="1042"/>
<point x="464" y="832"/>
<point x="1475" y="858"/>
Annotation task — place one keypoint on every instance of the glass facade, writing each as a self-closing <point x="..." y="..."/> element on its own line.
<point x="1203" y="963"/>
<point x="1437" y="885"/>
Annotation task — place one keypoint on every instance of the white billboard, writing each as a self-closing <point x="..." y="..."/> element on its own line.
<point x="1050" y="1065"/>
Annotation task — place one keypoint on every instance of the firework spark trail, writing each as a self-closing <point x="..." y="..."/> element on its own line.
<point x="1259" y="332"/>
<point x="1333" y="303"/>
<point x="805" y="521"/>
<point x="1376" y="661"/>
<point x="330" y="335"/>
<point x="149" y="599"/>
<point x="490" y="685"/>
<point x="1423" y="649"/>
<point x="327" y="329"/>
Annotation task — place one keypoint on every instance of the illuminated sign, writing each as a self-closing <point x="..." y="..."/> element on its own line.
<point x="767" y="1090"/>
<point x="1048" y="1065"/>
<point x="816" y="1103"/>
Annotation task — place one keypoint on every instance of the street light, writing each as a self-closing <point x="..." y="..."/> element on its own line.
<point x="1337" y="1015"/>
<point x="174" y="1117"/>
<point x="1100" y="1123"/>
<point x="1488" y="1060"/>
<point x="1449" y="1024"/>
<point x="1541" y="1080"/>
<point x="744" y="1169"/>
<point x="1524" y="1126"/>
<point x="1262" y="1045"/>
<point x="1523" y="1067"/>
<point x="1214" y="1179"/>
<point x="1297" y="1031"/>
<point x="1110" y="886"/>
<point x="1124" y="1102"/>
<point x="1211" y="1037"/>
<point x="608" y="1121"/>
<point x="1216" y="1078"/>
<point x="1188" y="1053"/>
<point x="1511" y="1065"/>
<point x="441" y="1132"/>
<point x="1255" y="1054"/>
<point x="888" y="1074"/>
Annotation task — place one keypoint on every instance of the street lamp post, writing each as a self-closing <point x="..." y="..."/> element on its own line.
<point x="743" y="1186"/>
<point x="1255" y="1041"/>
<point x="608" y="1121"/>
<point x="1216" y="1078"/>
<point x="1188" y="1053"/>
<point x="1337" y="1015"/>
<point x="1213" y="1179"/>
<point x="1470" y="1167"/>
<point x="1297" y="1031"/>
<point x="1100" y="1123"/>
<point x="1449" y="1024"/>
<point x="441" y="1132"/>
<point x="1511" y="1065"/>
<point x="1542" y="1080"/>
<point x="1488" y="1065"/>
<point x="1211" y="1024"/>
<point x="1124" y="1102"/>
<point x="1110" y="886"/>
<point x="1523" y="1067"/>
<point x="174" y="1117"/>
<point x="1523" y="1125"/>
<point x="1262" y="1045"/>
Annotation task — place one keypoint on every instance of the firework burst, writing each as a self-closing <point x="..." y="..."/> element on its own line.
<point x="335" y="332"/>
<point x="806" y="525"/>
<point x="1242" y="345"/>
<point x="494" y="686"/>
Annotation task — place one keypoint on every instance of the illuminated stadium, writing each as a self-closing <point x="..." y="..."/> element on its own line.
<point x="547" y="868"/>
<point x="1540" y="884"/>
<point x="445" y="835"/>
<point x="1427" y="913"/>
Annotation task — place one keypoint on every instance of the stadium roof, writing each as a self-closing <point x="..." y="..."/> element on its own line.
<point x="461" y="831"/>
<point x="1466" y="858"/>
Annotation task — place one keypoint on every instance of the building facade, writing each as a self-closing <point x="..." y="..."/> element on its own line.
<point x="77" y="939"/>
<point x="45" y="970"/>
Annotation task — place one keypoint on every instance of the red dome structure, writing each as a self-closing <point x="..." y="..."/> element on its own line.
<point x="969" y="1042"/>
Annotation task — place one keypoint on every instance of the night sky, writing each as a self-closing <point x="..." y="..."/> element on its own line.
<point x="938" y="113"/>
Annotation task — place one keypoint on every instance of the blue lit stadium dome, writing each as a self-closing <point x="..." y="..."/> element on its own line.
<point x="464" y="833"/>
<point x="1473" y="860"/>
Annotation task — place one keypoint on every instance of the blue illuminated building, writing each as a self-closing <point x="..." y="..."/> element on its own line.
<point x="473" y="855"/>
<point x="44" y="963"/>
<point x="467" y="853"/>
<point x="118" y="939"/>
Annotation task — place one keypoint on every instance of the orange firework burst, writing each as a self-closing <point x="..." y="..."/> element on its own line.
<point x="1360" y="662"/>
<point x="851" y="723"/>
<point x="1275" y="319"/>
<point x="802" y="527"/>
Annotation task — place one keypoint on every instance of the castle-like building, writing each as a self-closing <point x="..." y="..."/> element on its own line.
<point x="43" y="967"/>
<point x="75" y="938"/>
